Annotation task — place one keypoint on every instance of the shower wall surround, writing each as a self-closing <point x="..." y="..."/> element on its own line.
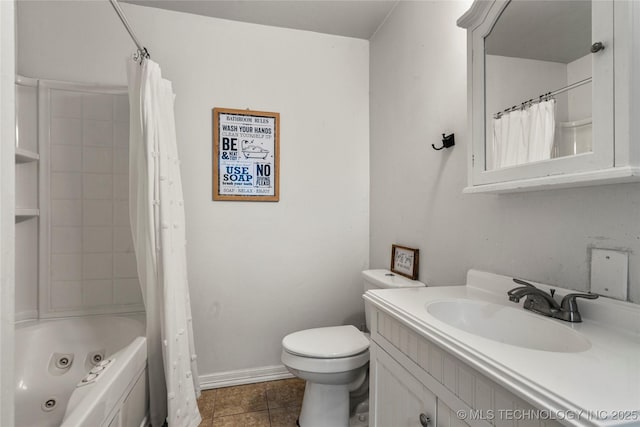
<point x="87" y="264"/>
<point x="27" y="219"/>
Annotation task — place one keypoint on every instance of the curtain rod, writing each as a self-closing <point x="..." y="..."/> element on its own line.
<point x="542" y="97"/>
<point x="142" y="51"/>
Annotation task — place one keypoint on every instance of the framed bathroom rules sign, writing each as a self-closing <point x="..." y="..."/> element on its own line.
<point x="246" y="155"/>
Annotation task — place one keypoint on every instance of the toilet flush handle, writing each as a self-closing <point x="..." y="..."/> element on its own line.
<point x="597" y="47"/>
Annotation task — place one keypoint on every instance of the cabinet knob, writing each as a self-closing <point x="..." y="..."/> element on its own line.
<point x="597" y="47"/>
<point x="424" y="420"/>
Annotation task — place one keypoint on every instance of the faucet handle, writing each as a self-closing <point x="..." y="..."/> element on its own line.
<point x="522" y="282"/>
<point x="569" y="301"/>
<point x="510" y="293"/>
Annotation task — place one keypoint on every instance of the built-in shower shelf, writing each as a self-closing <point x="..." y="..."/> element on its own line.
<point x="25" y="156"/>
<point x="23" y="214"/>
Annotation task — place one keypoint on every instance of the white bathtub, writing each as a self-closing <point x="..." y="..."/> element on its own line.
<point x="52" y="358"/>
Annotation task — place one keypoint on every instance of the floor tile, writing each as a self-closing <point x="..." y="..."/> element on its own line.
<point x="284" y="417"/>
<point x="205" y="404"/>
<point x="249" y="419"/>
<point x="240" y="399"/>
<point x="285" y="393"/>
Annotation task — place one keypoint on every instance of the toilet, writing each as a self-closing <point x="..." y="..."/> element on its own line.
<point x="334" y="360"/>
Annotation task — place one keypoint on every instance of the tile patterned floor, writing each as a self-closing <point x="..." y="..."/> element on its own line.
<point x="269" y="404"/>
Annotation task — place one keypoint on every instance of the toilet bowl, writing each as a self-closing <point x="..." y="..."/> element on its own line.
<point x="334" y="361"/>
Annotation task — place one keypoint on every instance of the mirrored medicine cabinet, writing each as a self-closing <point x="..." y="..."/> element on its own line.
<point x="552" y="93"/>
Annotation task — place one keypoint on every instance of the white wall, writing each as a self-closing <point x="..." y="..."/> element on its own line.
<point x="580" y="102"/>
<point x="511" y="81"/>
<point x="418" y="79"/>
<point x="257" y="271"/>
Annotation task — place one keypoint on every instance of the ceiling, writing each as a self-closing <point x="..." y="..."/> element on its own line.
<point x="352" y="18"/>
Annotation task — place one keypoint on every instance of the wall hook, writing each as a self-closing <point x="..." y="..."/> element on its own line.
<point x="447" y="141"/>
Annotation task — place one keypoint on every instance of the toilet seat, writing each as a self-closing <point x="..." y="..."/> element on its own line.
<point x="326" y="343"/>
<point x="324" y="365"/>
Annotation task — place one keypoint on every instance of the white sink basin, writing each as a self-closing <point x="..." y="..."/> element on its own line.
<point x="508" y="325"/>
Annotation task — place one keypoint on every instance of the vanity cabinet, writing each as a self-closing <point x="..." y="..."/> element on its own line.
<point x="411" y="375"/>
<point x="582" y="57"/>
<point x="400" y="399"/>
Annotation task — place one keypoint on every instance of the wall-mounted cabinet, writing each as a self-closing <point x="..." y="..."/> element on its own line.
<point x="553" y="91"/>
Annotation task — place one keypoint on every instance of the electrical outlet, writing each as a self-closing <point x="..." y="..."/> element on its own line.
<point x="609" y="273"/>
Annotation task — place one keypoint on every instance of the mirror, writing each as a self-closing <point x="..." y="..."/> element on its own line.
<point x="538" y="90"/>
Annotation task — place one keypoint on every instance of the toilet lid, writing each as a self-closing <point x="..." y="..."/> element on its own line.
<point x="326" y="343"/>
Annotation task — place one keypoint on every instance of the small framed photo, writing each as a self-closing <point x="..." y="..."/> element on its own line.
<point x="404" y="261"/>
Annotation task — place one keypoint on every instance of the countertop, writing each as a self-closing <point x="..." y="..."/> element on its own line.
<point x="602" y="382"/>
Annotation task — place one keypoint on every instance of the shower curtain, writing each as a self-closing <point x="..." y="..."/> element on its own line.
<point x="524" y="135"/>
<point x="157" y="222"/>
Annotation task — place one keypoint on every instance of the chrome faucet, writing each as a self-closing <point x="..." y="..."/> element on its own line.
<point x="543" y="303"/>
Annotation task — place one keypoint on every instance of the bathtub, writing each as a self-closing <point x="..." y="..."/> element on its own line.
<point x="53" y="363"/>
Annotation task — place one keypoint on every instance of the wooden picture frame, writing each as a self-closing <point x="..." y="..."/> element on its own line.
<point x="405" y="261"/>
<point x="246" y="155"/>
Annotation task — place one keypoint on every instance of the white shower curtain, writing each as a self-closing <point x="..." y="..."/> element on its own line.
<point x="542" y="130"/>
<point x="157" y="221"/>
<point x="524" y="135"/>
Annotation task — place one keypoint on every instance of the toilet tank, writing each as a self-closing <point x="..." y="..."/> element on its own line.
<point x="384" y="279"/>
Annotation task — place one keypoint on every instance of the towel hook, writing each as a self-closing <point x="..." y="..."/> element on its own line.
<point x="447" y="141"/>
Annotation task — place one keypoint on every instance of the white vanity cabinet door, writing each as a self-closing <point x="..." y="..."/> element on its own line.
<point x="446" y="417"/>
<point x="397" y="397"/>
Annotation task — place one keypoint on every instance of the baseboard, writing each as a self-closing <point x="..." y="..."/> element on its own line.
<point x="26" y="315"/>
<point x="243" y="376"/>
